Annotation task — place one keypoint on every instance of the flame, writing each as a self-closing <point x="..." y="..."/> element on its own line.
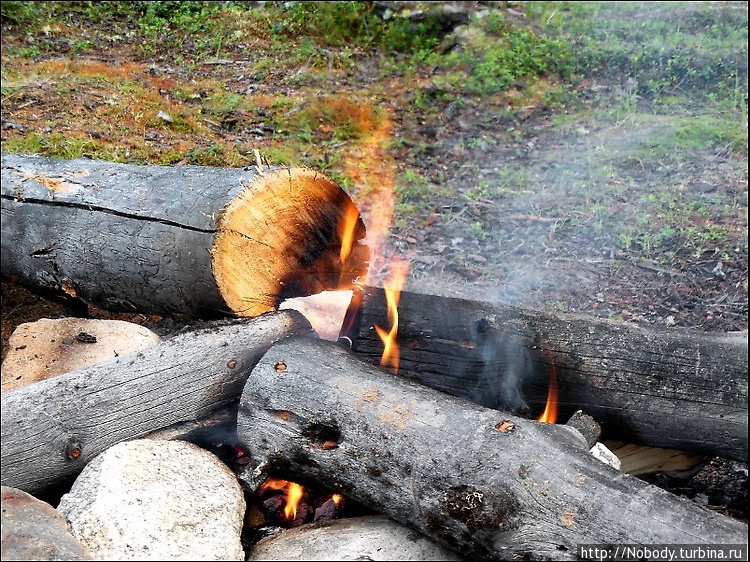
<point x="292" y="490"/>
<point x="293" y="496"/>
<point x="392" y="287"/>
<point x="347" y="229"/>
<point x="370" y="166"/>
<point x="550" y="410"/>
<point x="337" y="498"/>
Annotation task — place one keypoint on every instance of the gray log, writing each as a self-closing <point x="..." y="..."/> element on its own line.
<point x="194" y="241"/>
<point x="52" y="428"/>
<point x="486" y="484"/>
<point x="664" y="387"/>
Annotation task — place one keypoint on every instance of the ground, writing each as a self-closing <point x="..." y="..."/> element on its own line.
<point x="572" y="208"/>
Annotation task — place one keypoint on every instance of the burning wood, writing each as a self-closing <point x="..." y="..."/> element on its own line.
<point x="190" y="240"/>
<point x="281" y="503"/>
<point x="669" y="388"/>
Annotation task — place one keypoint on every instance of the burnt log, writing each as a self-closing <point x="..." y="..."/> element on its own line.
<point x="188" y="241"/>
<point x="52" y="428"/>
<point x="484" y="483"/>
<point x="665" y="387"/>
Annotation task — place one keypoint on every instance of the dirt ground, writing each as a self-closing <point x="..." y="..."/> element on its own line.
<point x="517" y="207"/>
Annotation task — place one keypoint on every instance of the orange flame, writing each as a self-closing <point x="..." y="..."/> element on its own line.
<point x="293" y="494"/>
<point x="392" y="287"/>
<point x="370" y="165"/>
<point x="348" y="228"/>
<point x="337" y="498"/>
<point x="550" y="410"/>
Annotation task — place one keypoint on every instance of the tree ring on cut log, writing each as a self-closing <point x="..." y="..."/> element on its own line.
<point x="282" y="237"/>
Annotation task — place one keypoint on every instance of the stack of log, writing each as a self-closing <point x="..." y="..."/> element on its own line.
<point x="434" y="447"/>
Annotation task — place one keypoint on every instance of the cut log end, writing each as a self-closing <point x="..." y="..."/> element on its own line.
<point x="291" y="233"/>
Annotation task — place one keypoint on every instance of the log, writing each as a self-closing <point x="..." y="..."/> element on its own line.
<point x="52" y="428"/>
<point x="176" y="240"/>
<point x="483" y="483"/>
<point x="664" y="387"/>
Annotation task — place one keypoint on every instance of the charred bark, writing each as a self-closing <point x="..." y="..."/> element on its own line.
<point x="663" y="387"/>
<point x="486" y="484"/>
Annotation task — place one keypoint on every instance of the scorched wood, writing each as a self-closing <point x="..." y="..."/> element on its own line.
<point x="52" y="428"/>
<point x="664" y="387"/>
<point x="176" y="240"/>
<point x="487" y="484"/>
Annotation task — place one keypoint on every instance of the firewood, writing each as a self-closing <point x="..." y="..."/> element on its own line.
<point x="484" y="483"/>
<point x="52" y="428"/>
<point x="673" y="388"/>
<point x="176" y="240"/>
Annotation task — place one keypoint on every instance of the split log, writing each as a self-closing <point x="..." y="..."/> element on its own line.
<point x="664" y="387"/>
<point x="52" y="428"/>
<point x="486" y="484"/>
<point x="181" y="240"/>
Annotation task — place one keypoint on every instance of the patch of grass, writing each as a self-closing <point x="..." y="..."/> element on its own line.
<point x="496" y="56"/>
<point x="692" y="48"/>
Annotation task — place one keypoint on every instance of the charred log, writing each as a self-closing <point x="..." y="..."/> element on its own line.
<point x="664" y="387"/>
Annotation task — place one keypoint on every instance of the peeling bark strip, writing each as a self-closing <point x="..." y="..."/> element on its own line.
<point x="184" y="240"/>
<point x="664" y="387"/>
<point x="486" y="484"/>
<point x="52" y="428"/>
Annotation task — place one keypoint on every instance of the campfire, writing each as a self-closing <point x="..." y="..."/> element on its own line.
<point x="332" y="390"/>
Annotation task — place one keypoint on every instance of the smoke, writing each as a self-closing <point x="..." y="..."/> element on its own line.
<point x="506" y="365"/>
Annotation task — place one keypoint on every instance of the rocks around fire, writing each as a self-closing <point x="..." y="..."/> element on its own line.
<point x="371" y="537"/>
<point x="160" y="500"/>
<point x="34" y="530"/>
<point x="49" y="347"/>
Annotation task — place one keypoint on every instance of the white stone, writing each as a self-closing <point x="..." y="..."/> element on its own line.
<point x="372" y="537"/>
<point x="157" y="500"/>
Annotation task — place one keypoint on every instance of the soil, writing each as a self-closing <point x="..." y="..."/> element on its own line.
<point x="511" y="207"/>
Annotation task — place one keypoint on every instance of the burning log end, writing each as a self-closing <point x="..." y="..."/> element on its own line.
<point x="290" y="233"/>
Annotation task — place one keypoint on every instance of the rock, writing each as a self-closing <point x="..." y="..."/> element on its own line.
<point x="372" y="537"/>
<point x="46" y="348"/>
<point x="157" y="500"/>
<point x="34" y="530"/>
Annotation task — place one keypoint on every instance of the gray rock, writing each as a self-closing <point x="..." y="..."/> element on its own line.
<point x="373" y="537"/>
<point x="157" y="500"/>
<point x="34" y="530"/>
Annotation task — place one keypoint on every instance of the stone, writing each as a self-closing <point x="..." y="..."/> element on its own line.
<point x="371" y="537"/>
<point x="150" y="499"/>
<point x="34" y="530"/>
<point x="49" y="347"/>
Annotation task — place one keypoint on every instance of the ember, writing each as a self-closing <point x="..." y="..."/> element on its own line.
<point x="286" y="504"/>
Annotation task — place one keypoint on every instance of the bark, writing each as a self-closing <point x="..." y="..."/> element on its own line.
<point x="486" y="484"/>
<point x="52" y="428"/>
<point x="663" y="387"/>
<point x="181" y="240"/>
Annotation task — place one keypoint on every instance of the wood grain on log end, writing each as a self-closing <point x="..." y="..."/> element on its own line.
<point x="282" y="237"/>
